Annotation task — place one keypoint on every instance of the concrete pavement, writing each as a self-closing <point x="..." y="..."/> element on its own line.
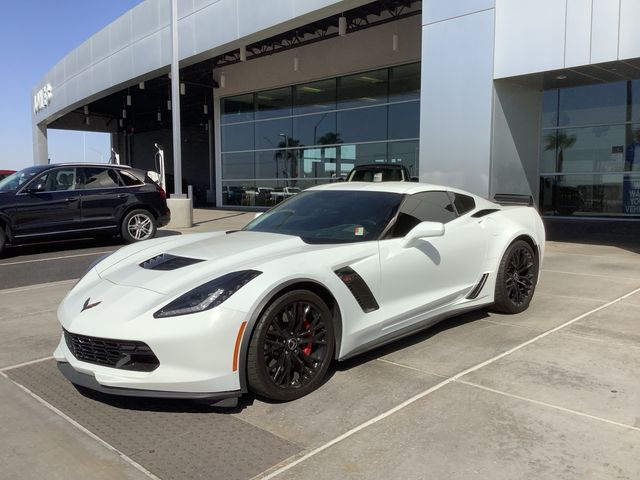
<point x="550" y="393"/>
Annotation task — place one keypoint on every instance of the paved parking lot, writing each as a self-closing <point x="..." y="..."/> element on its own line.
<point x="550" y="393"/>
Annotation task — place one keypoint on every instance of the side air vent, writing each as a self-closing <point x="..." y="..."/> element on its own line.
<point x="358" y="288"/>
<point x="166" y="261"/>
<point x="478" y="288"/>
<point x="482" y="213"/>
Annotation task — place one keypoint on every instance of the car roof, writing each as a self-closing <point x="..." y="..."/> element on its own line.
<point x="405" y="188"/>
<point x="385" y="166"/>
<point x="111" y="165"/>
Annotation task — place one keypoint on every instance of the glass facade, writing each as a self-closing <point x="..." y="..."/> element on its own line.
<point x="590" y="151"/>
<point x="278" y="142"/>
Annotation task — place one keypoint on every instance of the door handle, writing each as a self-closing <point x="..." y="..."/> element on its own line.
<point x="123" y="195"/>
<point x="71" y="199"/>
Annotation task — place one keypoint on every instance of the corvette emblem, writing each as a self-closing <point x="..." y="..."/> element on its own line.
<point x="88" y="305"/>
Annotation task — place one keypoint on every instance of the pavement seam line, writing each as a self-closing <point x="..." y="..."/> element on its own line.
<point x="86" y="431"/>
<point x="589" y="274"/>
<point x="436" y="387"/>
<point x="550" y="405"/>
<point x="26" y="288"/>
<point x="55" y="258"/>
<point x="408" y="367"/>
<point x="24" y="364"/>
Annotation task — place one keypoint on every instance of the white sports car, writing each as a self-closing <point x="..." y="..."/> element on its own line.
<point x="327" y="274"/>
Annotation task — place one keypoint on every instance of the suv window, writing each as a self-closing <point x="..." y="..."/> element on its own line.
<point x="97" y="177"/>
<point x="57" y="180"/>
<point x="422" y="207"/>
<point x="463" y="203"/>
<point x="129" y="179"/>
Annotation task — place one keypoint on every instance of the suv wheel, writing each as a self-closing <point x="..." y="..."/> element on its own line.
<point x="138" y="225"/>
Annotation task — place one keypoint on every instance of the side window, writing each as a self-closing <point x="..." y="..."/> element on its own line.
<point x="57" y="180"/>
<point x="463" y="203"/>
<point x="422" y="207"/>
<point x="129" y="179"/>
<point x="96" y="177"/>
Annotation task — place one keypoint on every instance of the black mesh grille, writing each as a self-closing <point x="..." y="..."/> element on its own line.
<point x="166" y="261"/>
<point x="123" y="354"/>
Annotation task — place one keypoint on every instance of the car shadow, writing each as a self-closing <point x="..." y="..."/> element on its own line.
<point x="182" y="406"/>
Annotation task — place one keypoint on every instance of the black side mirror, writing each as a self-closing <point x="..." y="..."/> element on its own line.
<point x="36" y="187"/>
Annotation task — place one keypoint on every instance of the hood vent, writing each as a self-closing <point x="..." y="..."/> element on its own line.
<point x="166" y="262"/>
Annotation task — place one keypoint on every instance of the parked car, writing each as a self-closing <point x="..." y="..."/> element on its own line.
<point x="80" y="200"/>
<point x="380" y="172"/>
<point x="332" y="272"/>
<point x="280" y="193"/>
<point x="5" y="173"/>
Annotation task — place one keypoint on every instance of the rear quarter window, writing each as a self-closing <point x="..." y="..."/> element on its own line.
<point x="129" y="180"/>
<point x="463" y="203"/>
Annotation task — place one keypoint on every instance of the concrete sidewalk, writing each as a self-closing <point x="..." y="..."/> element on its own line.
<point x="551" y="393"/>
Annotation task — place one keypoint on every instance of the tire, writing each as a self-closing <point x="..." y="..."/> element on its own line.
<point x="281" y="366"/>
<point x="517" y="278"/>
<point x="3" y="240"/>
<point x="138" y="225"/>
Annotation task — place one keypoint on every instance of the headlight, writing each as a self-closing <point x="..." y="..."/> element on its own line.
<point x="208" y="295"/>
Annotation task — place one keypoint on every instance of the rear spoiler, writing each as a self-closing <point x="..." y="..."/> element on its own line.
<point x="513" y="199"/>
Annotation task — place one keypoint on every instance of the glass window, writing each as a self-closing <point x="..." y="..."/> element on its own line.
<point x="315" y="97"/>
<point x="363" y="89"/>
<point x="588" y="149"/>
<point x="632" y="151"/>
<point x="550" y="108"/>
<point x="463" y="203"/>
<point x="317" y="129"/>
<point x="60" y="179"/>
<point x="362" y="154"/>
<point x="635" y="101"/>
<point x="273" y="103"/>
<point x="405" y="153"/>
<point x="363" y="124"/>
<point x="237" y="137"/>
<point x="16" y="180"/>
<point x="238" y="165"/>
<point x="593" y="104"/>
<point x="237" y="109"/>
<point x="275" y="134"/>
<point x="95" y="177"/>
<point x="331" y="216"/>
<point x="422" y="207"/>
<point x="404" y="82"/>
<point x="278" y="164"/>
<point x="129" y="179"/>
<point x="404" y="120"/>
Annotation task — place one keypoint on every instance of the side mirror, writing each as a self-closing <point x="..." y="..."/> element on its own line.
<point x="423" y="230"/>
<point x="35" y="188"/>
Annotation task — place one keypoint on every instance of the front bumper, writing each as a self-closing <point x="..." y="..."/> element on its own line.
<point x="218" y="399"/>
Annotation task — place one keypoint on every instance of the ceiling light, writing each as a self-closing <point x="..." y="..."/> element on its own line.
<point x="243" y="53"/>
<point x="223" y="80"/>
<point x="342" y="26"/>
<point x="87" y="121"/>
<point x="205" y="109"/>
<point x="561" y="77"/>
<point x="128" y="100"/>
<point x="141" y="85"/>
<point x="296" y="64"/>
<point x="366" y="78"/>
<point x="121" y="122"/>
<point x="86" y="109"/>
<point x="311" y="89"/>
<point x="159" y="116"/>
<point x="183" y="89"/>
<point x="124" y="113"/>
<point x="395" y="42"/>
<point x="168" y="104"/>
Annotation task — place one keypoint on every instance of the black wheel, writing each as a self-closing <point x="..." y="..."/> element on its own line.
<point x="291" y="347"/>
<point x="516" y="279"/>
<point x="138" y="225"/>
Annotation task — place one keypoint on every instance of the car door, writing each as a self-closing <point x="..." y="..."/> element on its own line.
<point x="102" y="196"/>
<point x="432" y="272"/>
<point x="48" y="204"/>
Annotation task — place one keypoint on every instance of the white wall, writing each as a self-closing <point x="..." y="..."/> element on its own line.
<point x="456" y="97"/>
<point x="542" y="35"/>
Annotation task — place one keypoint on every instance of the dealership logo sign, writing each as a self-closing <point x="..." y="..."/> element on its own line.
<point x="42" y="98"/>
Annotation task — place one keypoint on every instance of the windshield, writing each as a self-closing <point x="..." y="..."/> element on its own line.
<point x="331" y="216"/>
<point x="16" y="180"/>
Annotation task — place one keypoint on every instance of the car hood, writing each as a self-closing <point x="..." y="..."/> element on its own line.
<point x="218" y="253"/>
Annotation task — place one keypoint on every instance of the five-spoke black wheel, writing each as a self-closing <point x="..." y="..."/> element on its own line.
<point x="517" y="278"/>
<point x="291" y="347"/>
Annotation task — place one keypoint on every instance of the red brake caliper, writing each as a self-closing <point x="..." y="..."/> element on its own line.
<point x="307" y="348"/>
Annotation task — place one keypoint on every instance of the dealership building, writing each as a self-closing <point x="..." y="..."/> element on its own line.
<point x="540" y="98"/>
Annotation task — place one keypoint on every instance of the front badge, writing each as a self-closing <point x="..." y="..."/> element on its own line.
<point x="87" y="305"/>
